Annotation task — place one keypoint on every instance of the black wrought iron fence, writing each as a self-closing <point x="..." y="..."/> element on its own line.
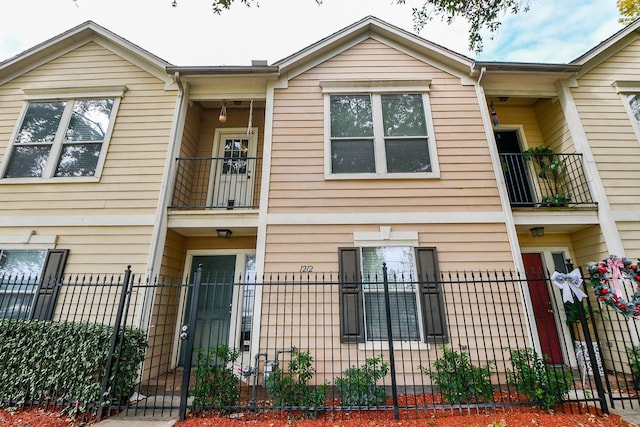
<point x="277" y="344"/>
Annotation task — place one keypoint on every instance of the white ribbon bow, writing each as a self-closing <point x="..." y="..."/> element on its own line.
<point x="569" y="283"/>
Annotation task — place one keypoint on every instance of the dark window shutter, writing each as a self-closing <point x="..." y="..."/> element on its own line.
<point x="434" y="316"/>
<point x="351" y="307"/>
<point x="47" y="294"/>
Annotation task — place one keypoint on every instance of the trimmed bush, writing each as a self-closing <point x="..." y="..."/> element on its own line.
<point x="358" y="385"/>
<point x="64" y="363"/>
<point x="459" y="380"/>
<point x="544" y="384"/>
<point x="216" y="385"/>
<point x="292" y="388"/>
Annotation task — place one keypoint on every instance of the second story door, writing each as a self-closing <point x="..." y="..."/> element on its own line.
<point x="232" y="169"/>
<point x="515" y="171"/>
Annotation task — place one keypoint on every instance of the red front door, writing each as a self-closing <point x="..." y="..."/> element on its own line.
<point x="543" y="309"/>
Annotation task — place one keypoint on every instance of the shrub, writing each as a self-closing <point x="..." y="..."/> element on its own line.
<point x="634" y="360"/>
<point x="64" y="363"/>
<point x="358" y="386"/>
<point x="541" y="383"/>
<point x="292" y="388"/>
<point x="216" y="385"/>
<point x="459" y="380"/>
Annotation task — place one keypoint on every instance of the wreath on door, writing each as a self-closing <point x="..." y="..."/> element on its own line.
<point x="610" y="277"/>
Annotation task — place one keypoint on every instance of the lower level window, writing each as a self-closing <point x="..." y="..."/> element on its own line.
<point x="19" y="274"/>
<point x="402" y="293"/>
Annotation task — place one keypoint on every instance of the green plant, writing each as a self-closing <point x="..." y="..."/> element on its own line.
<point x="544" y="384"/>
<point x="64" y="363"/>
<point x="292" y="388"/>
<point x="634" y="360"/>
<point x="216" y="385"/>
<point x="551" y="170"/>
<point x="459" y="380"/>
<point x="358" y="385"/>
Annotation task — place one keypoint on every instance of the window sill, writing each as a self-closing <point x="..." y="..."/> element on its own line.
<point x="49" y="180"/>
<point x="397" y="345"/>
<point x="352" y="176"/>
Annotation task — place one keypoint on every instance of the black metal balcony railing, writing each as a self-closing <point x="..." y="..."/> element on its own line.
<point x="216" y="183"/>
<point x="546" y="180"/>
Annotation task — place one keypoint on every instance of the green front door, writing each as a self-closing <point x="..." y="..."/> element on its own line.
<point x="213" y="316"/>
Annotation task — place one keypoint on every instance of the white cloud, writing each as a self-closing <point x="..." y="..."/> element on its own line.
<point x="192" y="35"/>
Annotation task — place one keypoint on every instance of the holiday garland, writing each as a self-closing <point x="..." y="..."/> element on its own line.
<point x="608" y="279"/>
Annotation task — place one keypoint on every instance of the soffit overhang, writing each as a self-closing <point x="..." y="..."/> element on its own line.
<point x="523" y="79"/>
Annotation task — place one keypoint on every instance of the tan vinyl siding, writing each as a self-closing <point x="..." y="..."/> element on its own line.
<point x="467" y="178"/>
<point x="553" y="126"/>
<point x="460" y="246"/>
<point x="609" y="128"/>
<point x="107" y="224"/>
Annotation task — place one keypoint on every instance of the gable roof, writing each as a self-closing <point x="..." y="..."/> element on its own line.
<point x="72" y="39"/>
<point x="372" y="27"/>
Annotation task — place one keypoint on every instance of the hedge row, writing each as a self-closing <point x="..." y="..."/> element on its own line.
<point x="63" y="364"/>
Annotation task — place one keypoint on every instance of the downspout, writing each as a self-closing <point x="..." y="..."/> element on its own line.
<point x="158" y="238"/>
<point x="510" y="225"/>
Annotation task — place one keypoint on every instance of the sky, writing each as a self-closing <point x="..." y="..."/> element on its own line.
<point x="552" y="31"/>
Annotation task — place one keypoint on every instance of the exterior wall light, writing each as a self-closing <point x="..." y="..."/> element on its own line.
<point x="537" y="231"/>
<point x="223" y="233"/>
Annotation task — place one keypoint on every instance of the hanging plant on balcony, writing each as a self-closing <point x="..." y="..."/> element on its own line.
<point x="551" y="171"/>
<point x="609" y="277"/>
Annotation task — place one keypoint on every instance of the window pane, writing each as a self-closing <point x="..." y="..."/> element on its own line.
<point x="404" y="317"/>
<point x="402" y="297"/>
<point x="634" y="102"/>
<point x="403" y="115"/>
<point x="78" y="160"/>
<point x="399" y="260"/>
<point x="352" y="156"/>
<point x="40" y="122"/>
<point x="23" y="262"/>
<point x="407" y="155"/>
<point x="19" y="271"/>
<point x="235" y="155"/>
<point x="351" y="116"/>
<point x="28" y="161"/>
<point x="90" y="120"/>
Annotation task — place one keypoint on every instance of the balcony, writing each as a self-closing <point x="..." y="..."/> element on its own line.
<point x="546" y="180"/>
<point x="217" y="183"/>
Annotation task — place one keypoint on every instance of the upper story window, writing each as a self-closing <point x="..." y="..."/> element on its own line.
<point x="62" y="133"/>
<point x="60" y="138"/>
<point x="378" y="128"/>
<point x="629" y="92"/>
<point x="634" y="103"/>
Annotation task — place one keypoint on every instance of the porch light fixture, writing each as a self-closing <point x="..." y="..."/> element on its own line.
<point x="223" y="112"/>
<point x="537" y="231"/>
<point x="223" y="233"/>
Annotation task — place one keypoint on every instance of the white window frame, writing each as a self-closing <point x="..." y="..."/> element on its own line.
<point x="375" y="88"/>
<point x="69" y="95"/>
<point x="387" y="238"/>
